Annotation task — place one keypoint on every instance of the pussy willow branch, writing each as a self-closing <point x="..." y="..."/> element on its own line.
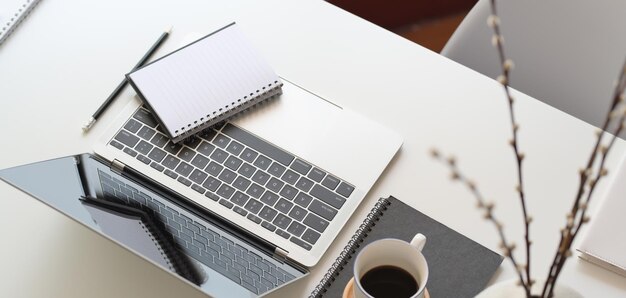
<point x="579" y="209"/>
<point x="481" y="203"/>
<point x="507" y="65"/>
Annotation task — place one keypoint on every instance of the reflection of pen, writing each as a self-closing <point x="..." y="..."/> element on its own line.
<point x="124" y="82"/>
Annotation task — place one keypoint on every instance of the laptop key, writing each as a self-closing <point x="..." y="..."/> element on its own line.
<point x="130" y="152"/>
<point x="159" y="140"/>
<point x="143" y="147"/>
<point x="282" y="233"/>
<point x="345" y="189"/>
<point x="205" y="148"/>
<point x="170" y="162"/>
<point x="143" y="159"/>
<point x="116" y="145"/>
<point x="132" y="126"/>
<point x="276" y="169"/>
<point x="317" y="175"/>
<point x="184" y="181"/>
<point x="198" y="176"/>
<point x="240" y="211"/>
<point x="275" y="185"/>
<point x="316" y="222"/>
<point x="246" y="170"/>
<point x="288" y="192"/>
<point x="327" y="196"/>
<point x="227" y="176"/>
<point x="248" y="155"/>
<point x="268" y="226"/>
<point x="221" y="141"/>
<point x="241" y="183"/>
<point x="170" y="174"/>
<point x="186" y="154"/>
<point x="258" y="144"/>
<point x="211" y="183"/>
<point x="157" y="154"/>
<point x="304" y="184"/>
<point x="254" y="218"/>
<point x="227" y="204"/>
<point x="126" y="138"/>
<point x="282" y="221"/>
<point x="234" y="148"/>
<point x="157" y="166"/>
<point x="146" y="133"/>
<point x="301" y="243"/>
<point x="233" y="163"/>
<point x="297" y="213"/>
<point x="254" y="206"/>
<point x="262" y="162"/>
<point x="240" y="198"/>
<point x="211" y="196"/>
<point x="330" y="182"/>
<point x="310" y="236"/>
<point x="283" y="206"/>
<point x="300" y="166"/>
<point x="323" y="210"/>
<point x="269" y="198"/>
<point x="184" y="169"/>
<point x="214" y="168"/>
<point x="296" y="228"/>
<point x="290" y="177"/>
<point x="255" y="190"/>
<point x="145" y="117"/>
<point x="200" y="161"/>
<point x="172" y="148"/>
<point x="268" y="213"/>
<point x="225" y="191"/>
<point x="303" y="199"/>
<point x="260" y="177"/>
<point x="219" y="155"/>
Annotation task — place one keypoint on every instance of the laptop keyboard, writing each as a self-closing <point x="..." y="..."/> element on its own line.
<point x="253" y="178"/>
<point x="219" y="252"/>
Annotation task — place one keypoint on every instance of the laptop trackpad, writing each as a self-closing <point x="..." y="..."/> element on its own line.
<point x="320" y="132"/>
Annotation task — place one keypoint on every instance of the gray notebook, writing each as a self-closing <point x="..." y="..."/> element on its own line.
<point x="458" y="267"/>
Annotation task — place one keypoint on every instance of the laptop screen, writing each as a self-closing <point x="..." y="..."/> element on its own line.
<point x="133" y="215"/>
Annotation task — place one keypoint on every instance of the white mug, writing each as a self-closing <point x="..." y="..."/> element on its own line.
<point x="392" y="252"/>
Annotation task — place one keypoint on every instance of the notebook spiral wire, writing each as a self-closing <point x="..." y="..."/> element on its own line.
<point x="350" y="248"/>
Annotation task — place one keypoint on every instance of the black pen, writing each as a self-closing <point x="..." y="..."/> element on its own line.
<point x="123" y="84"/>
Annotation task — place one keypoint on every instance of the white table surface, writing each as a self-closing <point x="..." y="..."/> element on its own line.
<point x="69" y="55"/>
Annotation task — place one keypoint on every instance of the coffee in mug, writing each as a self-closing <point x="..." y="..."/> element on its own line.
<point x="391" y="268"/>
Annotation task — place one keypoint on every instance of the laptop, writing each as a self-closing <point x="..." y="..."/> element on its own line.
<point x="252" y="203"/>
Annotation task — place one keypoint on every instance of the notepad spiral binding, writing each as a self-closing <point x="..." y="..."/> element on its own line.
<point x="236" y="107"/>
<point x="22" y="12"/>
<point x="350" y="249"/>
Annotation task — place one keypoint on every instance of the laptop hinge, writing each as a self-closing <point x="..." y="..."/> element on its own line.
<point x="117" y="166"/>
<point x="280" y="254"/>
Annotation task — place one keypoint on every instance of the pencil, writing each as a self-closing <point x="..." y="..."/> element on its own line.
<point x="124" y="82"/>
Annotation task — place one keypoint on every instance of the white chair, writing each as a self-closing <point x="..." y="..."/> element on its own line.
<point x="567" y="53"/>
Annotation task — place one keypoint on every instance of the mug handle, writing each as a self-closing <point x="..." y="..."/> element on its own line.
<point x="419" y="241"/>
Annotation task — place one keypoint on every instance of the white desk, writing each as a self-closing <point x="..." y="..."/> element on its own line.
<point x="68" y="56"/>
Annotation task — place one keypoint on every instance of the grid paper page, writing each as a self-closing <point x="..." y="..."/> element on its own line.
<point x="204" y="79"/>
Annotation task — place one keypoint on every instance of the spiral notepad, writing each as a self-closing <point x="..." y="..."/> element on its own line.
<point x="458" y="266"/>
<point x="205" y="82"/>
<point x="12" y="13"/>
